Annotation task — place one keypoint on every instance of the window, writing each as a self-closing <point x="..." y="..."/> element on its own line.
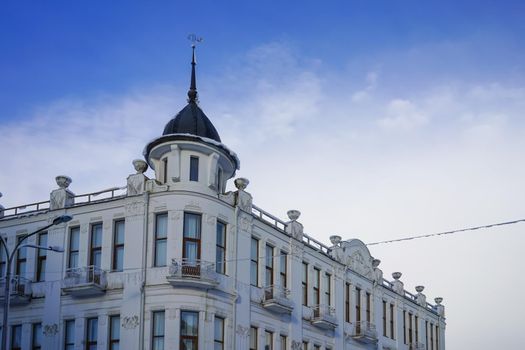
<point x="392" y="333"/>
<point x="118" y="245"/>
<point x="404" y="327"/>
<point x="36" y="337"/>
<point x="157" y="342"/>
<point x="254" y="262"/>
<point x="328" y="289"/>
<point x="189" y="330"/>
<point x="283" y="268"/>
<point x="220" y="248"/>
<point x="220" y="177"/>
<point x="368" y="305"/>
<point x="426" y="335"/>
<point x="317" y="347"/>
<point x="74" y="242"/>
<point x="358" y="304"/>
<point x="16" y="337"/>
<point x="431" y="336"/>
<point x="69" y="335"/>
<point x="41" y="258"/>
<point x="253" y="338"/>
<point x="95" y="246"/>
<point x="218" y="343"/>
<point x="165" y="169"/>
<point x="269" y="266"/>
<point x="416" y="325"/>
<point x="21" y="259"/>
<point x="268" y="340"/>
<point x="161" y="237"/>
<point x="410" y="319"/>
<point x="3" y="261"/>
<point x="191" y="242"/>
<point x="437" y="337"/>
<point x="91" y="333"/>
<point x="194" y="168"/>
<point x="304" y="284"/>
<point x="114" y="332"/>
<point x="305" y="345"/>
<point x="317" y="274"/>
<point x="347" y="302"/>
<point x="283" y="341"/>
<point x="384" y="318"/>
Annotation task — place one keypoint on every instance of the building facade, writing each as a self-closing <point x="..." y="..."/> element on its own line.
<point x="175" y="262"/>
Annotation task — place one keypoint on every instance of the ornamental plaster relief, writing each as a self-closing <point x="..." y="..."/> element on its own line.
<point x="356" y="256"/>
<point x="130" y="322"/>
<point x="50" y="330"/>
<point x="242" y="331"/>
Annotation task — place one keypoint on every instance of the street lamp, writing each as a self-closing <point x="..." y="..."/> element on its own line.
<point x="9" y="256"/>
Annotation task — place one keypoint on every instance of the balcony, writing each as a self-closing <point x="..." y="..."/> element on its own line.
<point x="324" y="317"/>
<point x="193" y="274"/>
<point x="84" y="281"/>
<point x="20" y="290"/>
<point x="275" y="299"/>
<point x="365" y="332"/>
<point x="416" y="346"/>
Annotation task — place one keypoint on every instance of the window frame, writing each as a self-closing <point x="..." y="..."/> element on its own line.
<point x="158" y="239"/>
<point x="94" y="249"/>
<point x="41" y="257"/>
<point x="87" y="341"/>
<point x="189" y="337"/>
<point x="392" y="320"/>
<point x="67" y="344"/>
<point x="194" y="168"/>
<point x="268" y="335"/>
<point x="75" y="230"/>
<point x="384" y="319"/>
<point x="283" y="269"/>
<point x="328" y="288"/>
<point x="220" y="266"/>
<point x="348" y="291"/>
<point x="187" y="239"/>
<point x="254" y="337"/>
<point x="21" y="258"/>
<point x="304" y="284"/>
<point x="14" y="328"/>
<point x="219" y="342"/>
<point x="154" y="321"/>
<point x="358" y="304"/>
<point x="316" y="286"/>
<point x="254" y="262"/>
<point x="34" y="330"/>
<point x="112" y="341"/>
<point x="368" y="305"/>
<point x="118" y="246"/>
<point x="268" y="265"/>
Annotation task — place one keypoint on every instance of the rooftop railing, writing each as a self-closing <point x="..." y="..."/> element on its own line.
<point x="81" y="199"/>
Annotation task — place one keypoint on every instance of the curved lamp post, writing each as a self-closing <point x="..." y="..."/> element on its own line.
<point x="9" y="257"/>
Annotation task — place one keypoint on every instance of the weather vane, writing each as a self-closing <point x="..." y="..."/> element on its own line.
<point x="194" y="39"/>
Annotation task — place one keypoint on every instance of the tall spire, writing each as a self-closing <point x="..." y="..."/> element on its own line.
<point x="192" y="92"/>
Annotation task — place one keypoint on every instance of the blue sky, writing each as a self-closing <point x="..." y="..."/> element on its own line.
<point x="376" y="119"/>
<point x="63" y="48"/>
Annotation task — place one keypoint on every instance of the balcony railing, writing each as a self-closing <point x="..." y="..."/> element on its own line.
<point x="416" y="346"/>
<point x="20" y="290"/>
<point x="276" y="299"/>
<point x="365" y="332"/>
<point x="84" y="281"/>
<point x="324" y="317"/>
<point x="192" y="273"/>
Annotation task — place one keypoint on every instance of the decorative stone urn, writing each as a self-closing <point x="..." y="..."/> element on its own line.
<point x="420" y="289"/>
<point x="63" y="181"/>
<point x="375" y="263"/>
<point x="140" y="166"/>
<point x="396" y="275"/>
<point x="335" y="239"/>
<point x="241" y="183"/>
<point x="293" y="214"/>
<point x="438" y="300"/>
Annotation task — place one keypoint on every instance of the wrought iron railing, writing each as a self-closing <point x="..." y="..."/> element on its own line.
<point x="19" y="286"/>
<point x="275" y="292"/>
<point x="323" y="311"/>
<point x="365" y="329"/>
<point x="192" y="268"/>
<point x="416" y="346"/>
<point x="79" y="276"/>
<point x="81" y="199"/>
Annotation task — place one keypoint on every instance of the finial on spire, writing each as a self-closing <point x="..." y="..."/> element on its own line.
<point x="192" y="93"/>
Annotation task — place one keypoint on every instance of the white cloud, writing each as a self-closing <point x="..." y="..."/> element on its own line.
<point x="308" y="146"/>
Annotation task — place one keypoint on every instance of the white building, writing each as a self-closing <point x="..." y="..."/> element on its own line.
<point x="174" y="262"/>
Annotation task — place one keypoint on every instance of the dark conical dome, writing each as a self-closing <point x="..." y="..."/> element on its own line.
<point x="192" y="120"/>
